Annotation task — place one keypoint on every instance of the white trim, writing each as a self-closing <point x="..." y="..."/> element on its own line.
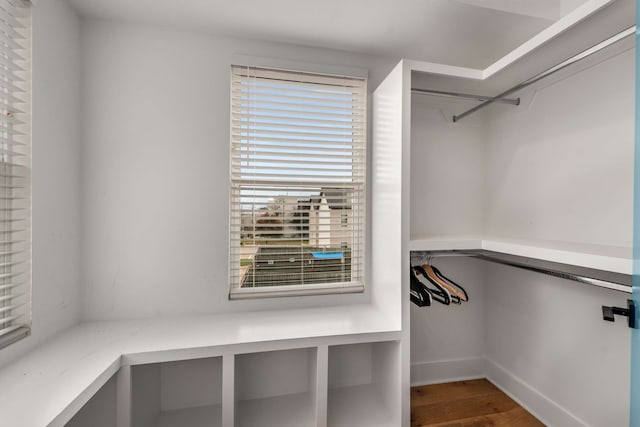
<point x="538" y="404"/>
<point x="295" y="290"/>
<point x="425" y="373"/>
<point x="563" y="24"/>
<point x="554" y="30"/>
<point x="542" y="407"/>
<point x="447" y="70"/>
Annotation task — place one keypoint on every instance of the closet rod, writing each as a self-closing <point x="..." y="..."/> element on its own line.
<point x="512" y="101"/>
<point x="616" y="281"/>
<point x="574" y="59"/>
<point x="557" y="273"/>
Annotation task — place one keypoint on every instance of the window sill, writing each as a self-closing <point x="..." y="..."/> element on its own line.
<point x="14" y="336"/>
<point x="295" y="291"/>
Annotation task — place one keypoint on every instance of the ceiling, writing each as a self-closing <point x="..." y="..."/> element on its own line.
<point x="470" y="33"/>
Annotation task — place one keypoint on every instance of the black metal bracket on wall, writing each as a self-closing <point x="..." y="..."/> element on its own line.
<point x="608" y="313"/>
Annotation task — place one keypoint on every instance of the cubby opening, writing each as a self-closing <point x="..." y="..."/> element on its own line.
<point x="276" y="388"/>
<point x="364" y="385"/>
<point x="180" y="393"/>
<point x="100" y="410"/>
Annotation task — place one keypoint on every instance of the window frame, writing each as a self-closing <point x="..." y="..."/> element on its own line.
<point x="15" y="170"/>
<point x="351" y="286"/>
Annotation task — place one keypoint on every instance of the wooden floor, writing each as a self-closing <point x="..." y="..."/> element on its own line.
<point x="475" y="403"/>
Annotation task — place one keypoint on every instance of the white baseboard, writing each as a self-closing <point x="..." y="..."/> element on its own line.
<point x="447" y="371"/>
<point x="543" y="408"/>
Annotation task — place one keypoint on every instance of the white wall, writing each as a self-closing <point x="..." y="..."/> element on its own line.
<point x="549" y="333"/>
<point x="350" y="365"/>
<point x="561" y="167"/>
<point x="274" y="373"/>
<point x="447" y="169"/>
<point x="155" y="177"/>
<point x="56" y="174"/>
<point x="448" y="342"/>
<point x="190" y="383"/>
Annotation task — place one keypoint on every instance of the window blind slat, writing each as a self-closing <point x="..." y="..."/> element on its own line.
<point x="9" y="41"/>
<point x="8" y="98"/>
<point x="14" y="55"/>
<point x="9" y="69"/>
<point x="294" y="113"/>
<point x="10" y="31"/>
<point x="302" y="122"/>
<point x="11" y="14"/>
<point x="240" y="184"/>
<point x="251" y="93"/>
<point x="253" y="147"/>
<point x="294" y="132"/>
<point x="6" y="308"/>
<point x="10" y="286"/>
<point x="307" y="155"/>
<point x="287" y="104"/>
<point x="293" y="128"/>
<point x="258" y="86"/>
<point x="8" y="120"/>
<point x="10" y="297"/>
<point x="294" y="144"/>
<point x="279" y="78"/>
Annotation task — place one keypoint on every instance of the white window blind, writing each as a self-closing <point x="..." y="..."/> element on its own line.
<point x="298" y="169"/>
<point x="15" y="170"/>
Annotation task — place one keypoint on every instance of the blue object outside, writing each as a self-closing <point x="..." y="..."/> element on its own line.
<point x="327" y="255"/>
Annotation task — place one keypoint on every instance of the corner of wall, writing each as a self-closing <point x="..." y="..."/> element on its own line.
<point x="55" y="175"/>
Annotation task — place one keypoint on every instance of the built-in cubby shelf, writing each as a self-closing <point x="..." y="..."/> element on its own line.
<point x="345" y="381"/>
<point x="361" y="384"/>
<point x="276" y="388"/>
<point x="187" y="392"/>
<point x="63" y="375"/>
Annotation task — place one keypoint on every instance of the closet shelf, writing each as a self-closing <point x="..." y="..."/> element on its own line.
<point x="604" y="266"/>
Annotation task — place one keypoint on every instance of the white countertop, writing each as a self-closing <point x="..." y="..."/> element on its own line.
<point x="48" y="385"/>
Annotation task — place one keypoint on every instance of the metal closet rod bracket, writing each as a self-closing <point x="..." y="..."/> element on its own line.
<point x="564" y="64"/>
<point x="630" y="312"/>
